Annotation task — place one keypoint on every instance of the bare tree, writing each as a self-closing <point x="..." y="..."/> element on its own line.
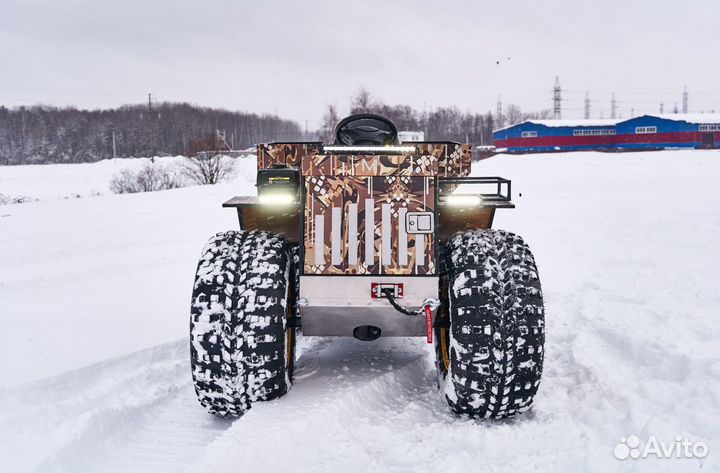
<point x="207" y="163"/>
<point x="539" y="115"/>
<point x="149" y="178"/>
<point x="330" y="119"/>
<point x="208" y="168"/>
<point x="513" y="114"/>
<point x="363" y="102"/>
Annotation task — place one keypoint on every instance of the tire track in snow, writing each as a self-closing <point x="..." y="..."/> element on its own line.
<point x="346" y="392"/>
<point x="355" y="406"/>
<point x="133" y="413"/>
<point x="376" y="407"/>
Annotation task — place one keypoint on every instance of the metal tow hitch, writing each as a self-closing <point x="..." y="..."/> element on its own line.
<point x="428" y="306"/>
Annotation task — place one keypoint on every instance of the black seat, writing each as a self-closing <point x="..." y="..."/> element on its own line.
<point x="366" y="129"/>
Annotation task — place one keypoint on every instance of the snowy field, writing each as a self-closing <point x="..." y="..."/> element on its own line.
<point x="94" y="365"/>
<point x="68" y="181"/>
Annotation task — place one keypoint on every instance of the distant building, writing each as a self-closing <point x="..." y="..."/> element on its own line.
<point x="646" y="132"/>
<point x="542" y="136"/>
<point x="406" y="136"/>
<point x="669" y="131"/>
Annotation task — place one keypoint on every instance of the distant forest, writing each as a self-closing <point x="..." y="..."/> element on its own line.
<point x="441" y="123"/>
<point x="43" y="134"/>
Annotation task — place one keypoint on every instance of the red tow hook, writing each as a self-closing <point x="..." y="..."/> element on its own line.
<point x="428" y="322"/>
<point x="428" y="305"/>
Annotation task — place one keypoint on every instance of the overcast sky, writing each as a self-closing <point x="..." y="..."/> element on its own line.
<point x="293" y="57"/>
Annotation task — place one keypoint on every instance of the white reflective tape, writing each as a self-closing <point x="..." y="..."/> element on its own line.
<point x="352" y="234"/>
<point x="402" y="238"/>
<point x="420" y="249"/>
<point x="336" y="236"/>
<point x="386" y="234"/>
<point x="369" y="232"/>
<point x="319" y="240"/>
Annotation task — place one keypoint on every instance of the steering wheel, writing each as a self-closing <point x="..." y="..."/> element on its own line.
<point x="366" y="129"/>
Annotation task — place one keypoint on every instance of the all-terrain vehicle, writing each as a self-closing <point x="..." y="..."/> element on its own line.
<point x="368" y="237"/>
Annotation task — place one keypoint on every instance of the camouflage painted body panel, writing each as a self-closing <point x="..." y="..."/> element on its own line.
<point x="454" y="159"/>
<point x="284" y="154"/>
<point x="342" y="203"/>
<point x="355" y="205"/>
<point x="430" y="159"/>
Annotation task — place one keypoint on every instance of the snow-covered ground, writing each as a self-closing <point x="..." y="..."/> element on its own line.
<point x="95" y="367"/>
<point x="69" y="181"/>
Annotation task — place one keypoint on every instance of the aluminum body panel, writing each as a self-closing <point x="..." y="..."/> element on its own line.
<point x="336" y="305"/>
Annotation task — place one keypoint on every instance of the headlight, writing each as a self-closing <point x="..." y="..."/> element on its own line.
<point x="276" y="198"/>
<point x="278" y="186"/>
<point x="463" y="200"/>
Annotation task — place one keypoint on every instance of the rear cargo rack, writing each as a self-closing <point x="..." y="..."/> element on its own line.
<point x="498" y="189"/>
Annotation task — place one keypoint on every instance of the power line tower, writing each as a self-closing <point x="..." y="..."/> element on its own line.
<point x="499" y="113"/>
<point x="685" y="100"/>
<point x="613" y="106"/>
<point x="557" y="99"/>
<point x="587" y="105"/>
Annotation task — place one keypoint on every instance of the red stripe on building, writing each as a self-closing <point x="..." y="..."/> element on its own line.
<point x="604" y="140"/>
<point x="549" y="141"/>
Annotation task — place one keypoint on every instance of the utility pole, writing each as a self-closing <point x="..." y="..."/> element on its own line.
<point x="685" y="100"/>
<point x="114" y="148"/>
<point x="149" y="102"/>
<point x="499" y="113"/>
<point x="557" y="99"/>
<point x="613" y="107"/>
<point x="306" y="129"/>
<point x="587" y="105"/>
<point x="662" y="107"/>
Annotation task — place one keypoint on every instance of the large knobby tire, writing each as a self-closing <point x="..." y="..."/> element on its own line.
<point x="241" y="348"/>
<point x="490" y="351"/>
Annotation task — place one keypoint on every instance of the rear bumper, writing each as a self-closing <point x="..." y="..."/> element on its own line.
<point x="336" y="305"/>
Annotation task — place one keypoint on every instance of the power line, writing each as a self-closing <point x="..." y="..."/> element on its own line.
<point x="627" y="92"/>
<point x="587" y="105"/>
<point x="71" y="92"/>
<point x="557" y="99"/>
<point x="56" y="102"/>
<point x="499" y="111"/>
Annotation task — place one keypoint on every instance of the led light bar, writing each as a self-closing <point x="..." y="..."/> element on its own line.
<point x="370" y="149"/>
<point x="464" y="200"/>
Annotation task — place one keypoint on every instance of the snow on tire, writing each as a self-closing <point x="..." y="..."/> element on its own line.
<point x="494" y="344"/>
<point x="238" y="323"/>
